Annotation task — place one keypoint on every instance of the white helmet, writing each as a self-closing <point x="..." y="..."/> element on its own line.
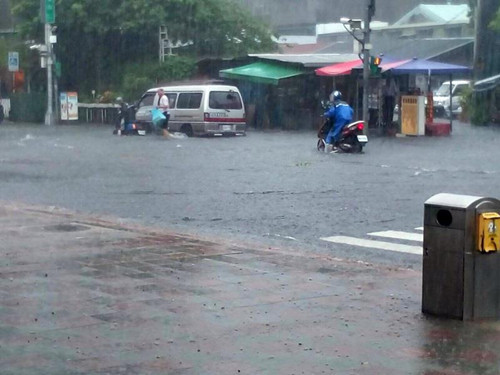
<point x="335" y="96"/>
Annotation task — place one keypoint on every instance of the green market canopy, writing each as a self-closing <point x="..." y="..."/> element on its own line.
<point x="262" y="72"/>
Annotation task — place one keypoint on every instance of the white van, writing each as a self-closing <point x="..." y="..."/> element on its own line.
<point x="199" y="109"/>
<point x="442" y="97"/>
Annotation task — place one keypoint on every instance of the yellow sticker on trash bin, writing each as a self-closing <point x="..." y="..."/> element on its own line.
<point x="488" y="233"/>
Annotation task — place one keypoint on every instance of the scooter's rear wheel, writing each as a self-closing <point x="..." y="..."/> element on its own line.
<point x="321" y="145"/>
<point x="357" y="147"/>
<point x="351" y="145"/>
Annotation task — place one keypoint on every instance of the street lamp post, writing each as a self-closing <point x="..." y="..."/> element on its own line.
<point x="49" y="115"/>
<point x="48" y="18"/>
<point x="354" y="25"/>
<point x="366" y="65"/>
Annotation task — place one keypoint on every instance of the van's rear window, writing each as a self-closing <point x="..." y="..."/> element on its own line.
<point x="224" y="100"/>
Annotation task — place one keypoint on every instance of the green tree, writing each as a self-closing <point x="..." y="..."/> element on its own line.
<point x="140" y="76"/>
<point x="487" y="14"/>
<point x="495" y="23"/>
<point x="97" y="39"/>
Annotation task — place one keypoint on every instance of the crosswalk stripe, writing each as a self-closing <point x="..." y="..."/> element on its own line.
<point x="375" y="244"/>
<point x="399" y="235"/>
<point x="420" y="228"/>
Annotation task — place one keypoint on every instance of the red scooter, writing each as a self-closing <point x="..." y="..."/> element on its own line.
<point x="352" y="139"/>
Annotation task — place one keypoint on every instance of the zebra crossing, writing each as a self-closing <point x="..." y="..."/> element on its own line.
<point x="416" y="237"/>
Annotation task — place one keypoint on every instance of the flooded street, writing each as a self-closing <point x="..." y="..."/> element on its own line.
<point x="268" y="187"/>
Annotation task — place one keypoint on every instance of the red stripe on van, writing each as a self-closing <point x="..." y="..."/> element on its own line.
<point x="225" y="119"/>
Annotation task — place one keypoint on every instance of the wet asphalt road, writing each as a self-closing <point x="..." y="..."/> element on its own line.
<point x="272" y="188"/>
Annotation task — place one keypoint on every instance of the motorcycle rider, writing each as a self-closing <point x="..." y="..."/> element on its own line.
<point x="340" y="114"/>
<point x="123" y="118"/>
<point x="120" y="121"/>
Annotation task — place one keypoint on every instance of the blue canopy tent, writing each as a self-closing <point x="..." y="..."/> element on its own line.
<point x="420" y="66"/>
<point x="428" y="67"/>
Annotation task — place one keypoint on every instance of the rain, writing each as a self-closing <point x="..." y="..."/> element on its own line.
<point x="249" y="187"/>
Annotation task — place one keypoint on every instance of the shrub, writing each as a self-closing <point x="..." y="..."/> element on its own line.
<point x="466" y="104"/>
<point x="133" y="87"/>
<point x="139" y="77"/>
<point x="479" y="113"/>
<point x="28" y="107"/>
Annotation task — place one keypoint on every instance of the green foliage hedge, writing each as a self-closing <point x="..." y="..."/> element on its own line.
<point x="140" y="77"/>
<point x="26" y="107"/>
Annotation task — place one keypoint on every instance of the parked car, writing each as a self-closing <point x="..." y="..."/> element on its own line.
<point x="442" y="98"/>
<point x="197" y="110"/>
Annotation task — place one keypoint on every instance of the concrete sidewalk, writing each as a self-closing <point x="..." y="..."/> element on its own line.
<point x="84" y="295"/>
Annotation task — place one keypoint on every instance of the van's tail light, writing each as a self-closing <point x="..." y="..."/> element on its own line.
<point x="361" y="126"/>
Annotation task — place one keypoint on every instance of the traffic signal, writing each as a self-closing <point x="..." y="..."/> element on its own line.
<point x="375" y="61"/>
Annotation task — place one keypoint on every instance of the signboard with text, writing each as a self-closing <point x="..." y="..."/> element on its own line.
<point x="69" y="105"/>
<point x="13" y="61"/>
<point x="50" y="11"/>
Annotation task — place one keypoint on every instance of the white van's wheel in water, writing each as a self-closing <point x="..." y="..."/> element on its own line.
<point x="187" y="129"/>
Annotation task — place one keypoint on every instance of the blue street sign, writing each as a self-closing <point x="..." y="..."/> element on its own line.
<point x="13" y="61"/>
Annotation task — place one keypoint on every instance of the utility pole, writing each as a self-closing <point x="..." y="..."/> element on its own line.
<point x="49" y="18"/>
<point x="370" y="11"/>
<point x="57" y="112"/>
<point x="164" y="43"/>
<point x="49" y="115"/>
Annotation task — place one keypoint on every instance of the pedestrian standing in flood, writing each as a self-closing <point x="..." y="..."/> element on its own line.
<point x="390" y="92"/>
<point x="162" y="103"/>
<point x="2" y="115"/>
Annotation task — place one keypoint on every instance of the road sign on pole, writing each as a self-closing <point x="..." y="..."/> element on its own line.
<point x="50" y="11"/>
<point x="58" y="69"/>
<point x="13" y="61"/>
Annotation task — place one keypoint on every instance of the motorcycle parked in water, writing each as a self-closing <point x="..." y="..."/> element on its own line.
<point x="125" y="122"/>
<point x="352" y="139"/>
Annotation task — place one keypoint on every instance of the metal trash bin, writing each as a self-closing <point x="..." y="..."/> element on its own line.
<point x="461" y="267"/>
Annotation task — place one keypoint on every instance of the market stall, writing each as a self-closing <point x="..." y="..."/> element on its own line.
<point x="416" y="100"/>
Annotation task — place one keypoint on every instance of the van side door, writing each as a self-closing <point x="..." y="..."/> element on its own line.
<point x="188" y="108"/>
<point x="144" y="107"/>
